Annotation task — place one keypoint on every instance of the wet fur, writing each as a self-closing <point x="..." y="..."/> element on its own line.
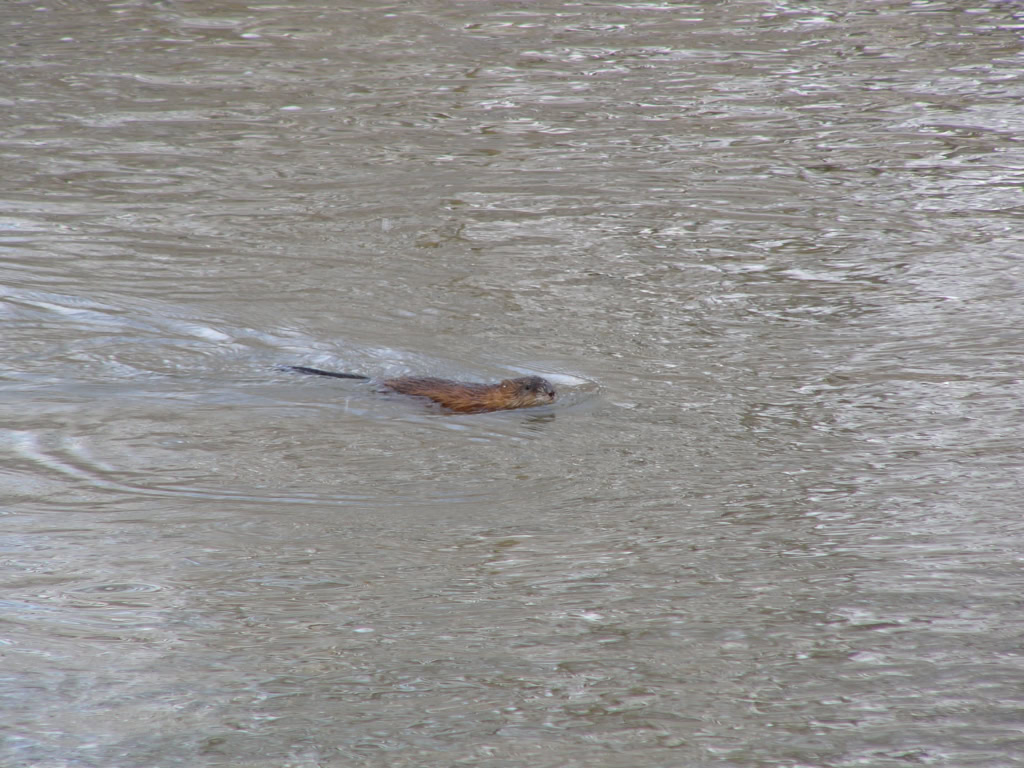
<point x="460" y="396"/>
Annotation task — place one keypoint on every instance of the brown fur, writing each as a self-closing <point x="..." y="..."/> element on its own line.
<point x="460" y="396"/>
<point x="465" y="397"/>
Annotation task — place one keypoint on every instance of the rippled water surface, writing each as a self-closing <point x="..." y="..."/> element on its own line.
<point x="770" y="254"/>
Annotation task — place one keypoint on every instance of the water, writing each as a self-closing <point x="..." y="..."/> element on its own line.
<point x="770" y="255"/>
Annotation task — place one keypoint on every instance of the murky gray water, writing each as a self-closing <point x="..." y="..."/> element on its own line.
<point x="771" y="255"/>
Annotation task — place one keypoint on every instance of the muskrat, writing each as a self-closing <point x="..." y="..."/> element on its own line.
<point x="461" y="396"/>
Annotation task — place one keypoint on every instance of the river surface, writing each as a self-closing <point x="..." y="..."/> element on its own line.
<point x="770" y="253"/>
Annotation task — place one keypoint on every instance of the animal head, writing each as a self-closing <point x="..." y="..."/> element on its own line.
<point x="529" y="390"/>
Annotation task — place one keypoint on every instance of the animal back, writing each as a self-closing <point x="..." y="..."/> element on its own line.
<point x="458" y="396"/>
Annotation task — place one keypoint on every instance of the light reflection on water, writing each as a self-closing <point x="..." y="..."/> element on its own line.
<point x="769" y="255"/>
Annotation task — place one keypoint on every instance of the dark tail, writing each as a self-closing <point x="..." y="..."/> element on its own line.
<point x="318" y="372"/>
